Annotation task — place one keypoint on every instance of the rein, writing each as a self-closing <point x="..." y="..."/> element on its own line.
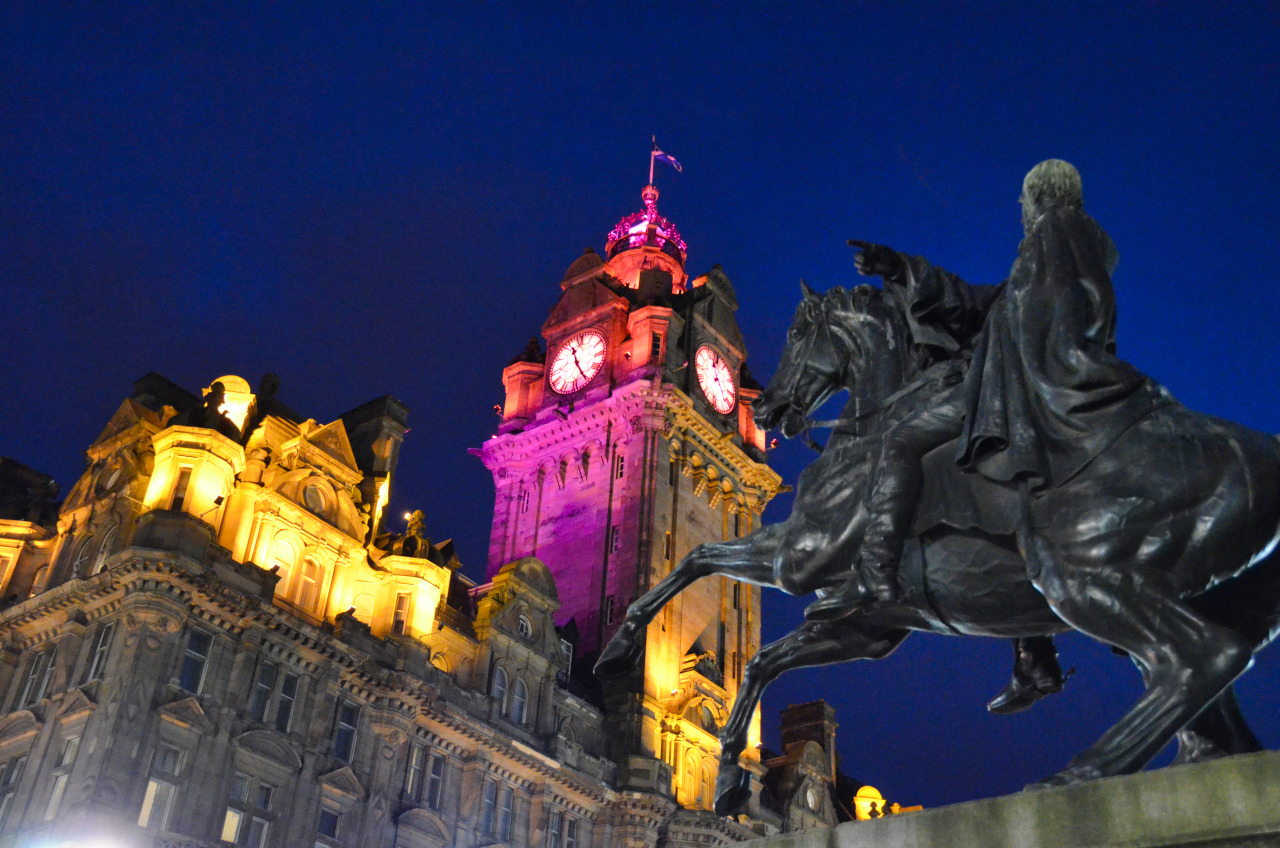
<point x="859" y="416"/>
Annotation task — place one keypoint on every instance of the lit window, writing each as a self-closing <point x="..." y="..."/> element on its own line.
<point x="555" y="828"/>
<point x="619" y="466"/>
<point x="401" y="616"/>
<point x="284" y="704"/>
<point x="344" y="736"/>
<point x="498" y="689"/>
<point x="488" y="805"/>
<point x="39" y="582"/>
<point x="180" y="489"/>
<point x="104" y="550"/>
<point x="156" y="804"/>
<point x="101" y="649"/>
<point x="506" y="804"/>
<point x="10" y="774"/>
<point x="39" y="673"/>
<point x="413" y="779"/>
<point x="191" y="676"/>
<point x="262" y="689"/>
<point x="655" y="347"/>
<point x="55" y="797"/>
<point x="69" y="750"/>
<point x="566" y="651"/>
<point x="242" y="823"/>
<point x="519" y="701"/>
<point x="309" y="588"/>
<point x="435" y="781"/>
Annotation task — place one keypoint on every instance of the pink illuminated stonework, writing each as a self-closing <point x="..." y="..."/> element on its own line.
<point x="615" y="458"/>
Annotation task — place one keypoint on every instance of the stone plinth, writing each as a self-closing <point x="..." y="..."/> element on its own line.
<point x="1229" y="803"/>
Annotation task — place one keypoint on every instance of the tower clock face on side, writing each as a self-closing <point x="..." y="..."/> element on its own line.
<point x="577" y="361"/>
<point x="715" y="378"/>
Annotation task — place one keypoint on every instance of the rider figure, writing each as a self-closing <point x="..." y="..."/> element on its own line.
<point x="1043" y="371"/>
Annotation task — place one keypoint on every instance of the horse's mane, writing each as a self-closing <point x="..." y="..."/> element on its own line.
<point x="847" y="308"/>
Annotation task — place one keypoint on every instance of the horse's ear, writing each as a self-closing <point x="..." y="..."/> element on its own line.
<point x="809" y="294"/>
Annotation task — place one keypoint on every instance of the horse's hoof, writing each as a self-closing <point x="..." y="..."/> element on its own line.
<point x="733" y="789"/>
<point x="620" y="657"/>
<point x="1067" y="777"/>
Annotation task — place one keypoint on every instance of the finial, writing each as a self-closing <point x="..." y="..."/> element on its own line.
<point x="649" y="196"/>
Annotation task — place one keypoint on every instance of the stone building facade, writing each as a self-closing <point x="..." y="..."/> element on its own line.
<point x="210" y="640"/>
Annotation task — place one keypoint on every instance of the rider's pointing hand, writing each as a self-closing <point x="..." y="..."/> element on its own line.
<point x="876" y="260"/>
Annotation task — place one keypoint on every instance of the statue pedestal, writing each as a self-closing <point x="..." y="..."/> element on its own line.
<point x="1229" y="803"/>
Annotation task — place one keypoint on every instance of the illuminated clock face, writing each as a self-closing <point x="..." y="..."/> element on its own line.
<point x="577" y="361"/>
<point x="715" y="379"/>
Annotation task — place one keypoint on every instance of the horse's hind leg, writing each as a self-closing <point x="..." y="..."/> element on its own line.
<point x="1186" y="660"/>
<point x="812" y="643"/>
<point x="1219" y="731"/>
<point x="749" y="559"/>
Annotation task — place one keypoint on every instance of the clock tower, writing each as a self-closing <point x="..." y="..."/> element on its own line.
<point x="625" y="442"/>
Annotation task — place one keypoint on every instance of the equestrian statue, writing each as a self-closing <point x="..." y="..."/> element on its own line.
<point x="999" y="471"/>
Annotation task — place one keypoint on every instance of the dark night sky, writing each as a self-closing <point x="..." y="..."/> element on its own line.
<point x="383" y="198"/>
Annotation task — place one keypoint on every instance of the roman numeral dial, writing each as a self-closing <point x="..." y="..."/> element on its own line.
<point x="715" y="378"/>
<point x="577" y="361"/>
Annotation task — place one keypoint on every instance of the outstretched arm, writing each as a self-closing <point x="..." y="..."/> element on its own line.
<point x="943" y="309"/>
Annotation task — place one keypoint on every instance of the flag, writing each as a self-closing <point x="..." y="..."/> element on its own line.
<point x="668" y="158"/>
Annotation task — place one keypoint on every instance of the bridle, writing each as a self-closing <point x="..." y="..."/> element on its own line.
<point x="854" y="421"/>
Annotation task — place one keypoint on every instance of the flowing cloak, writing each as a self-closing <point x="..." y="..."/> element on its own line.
<point x="943" y="312"/>
<point x="1045" y="392"/>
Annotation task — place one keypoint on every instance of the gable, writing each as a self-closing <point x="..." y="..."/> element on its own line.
<point x="126" y="416"/>
<point x="332" y="439"/>
<point x="188" y="715"/>
<point x="578" y="300"/>
<point x="343" y="782"/>
<point x="17" y="726"/>
<point x="268" y="745"/>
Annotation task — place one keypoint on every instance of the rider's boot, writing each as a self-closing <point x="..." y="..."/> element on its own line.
<point x="1036" y="673"/>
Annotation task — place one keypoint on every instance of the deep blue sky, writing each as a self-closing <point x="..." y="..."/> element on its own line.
<point x="382" y="199"/>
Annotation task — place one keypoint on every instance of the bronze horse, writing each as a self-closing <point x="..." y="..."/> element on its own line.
<point x="1161" y="547"/>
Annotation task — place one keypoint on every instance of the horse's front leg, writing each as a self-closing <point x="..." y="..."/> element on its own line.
<point x="812" y="643"/>
<point x="749" y="559"/>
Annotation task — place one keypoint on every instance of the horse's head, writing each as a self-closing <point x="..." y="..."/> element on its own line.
<point x="854" y="340"/>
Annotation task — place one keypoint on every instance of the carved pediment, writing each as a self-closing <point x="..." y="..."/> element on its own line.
<point x="76" y="705"/>
<point x="579" y="299"/>
<point x="187" y="714"/>
<point x="425" y="823"/>
<point x="127" y="415"/>
<point x="16" y="726"/>
<point x="343" y="782"/>
<point x="270" y="746"/>
<point x="332" y="439"/>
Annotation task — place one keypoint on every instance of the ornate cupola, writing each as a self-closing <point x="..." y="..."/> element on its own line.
<point x="645" y="240"/>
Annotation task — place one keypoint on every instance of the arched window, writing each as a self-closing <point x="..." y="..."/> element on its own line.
<point x="309" y="585"/>
<point x="707" y="797"/>
<point x="80" y="562"/>
<point x="284" y="556"/>
<point x="40" y="580"/>
<point x="690" y="784"/>
<point x="104" y="550"/>
<point x="519" y="702"/>
<point x="498" y="688"/>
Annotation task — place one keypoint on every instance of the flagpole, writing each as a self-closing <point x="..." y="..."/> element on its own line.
<point x="652" y="150"/>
